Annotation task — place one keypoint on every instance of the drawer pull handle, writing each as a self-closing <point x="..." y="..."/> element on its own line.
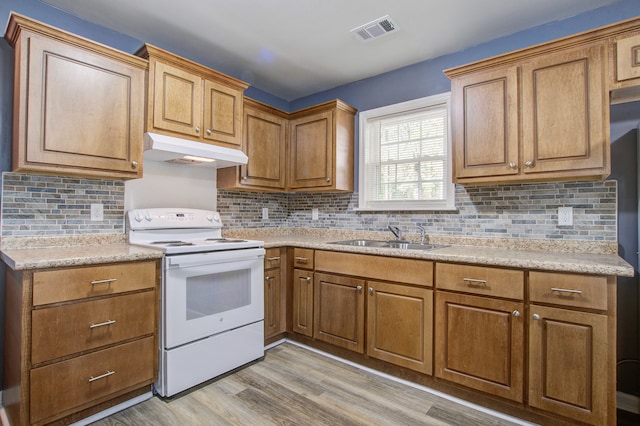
<point x="302" y="259"/>
<point x="566" y="290"/>
<point x="102" y="376"/>
<point x="271" y="259"/>
<point x="102" y="324"/>
<point x="108" y="280"/>
<point x="473" y="281"/>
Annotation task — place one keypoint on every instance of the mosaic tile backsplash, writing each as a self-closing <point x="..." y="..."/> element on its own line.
<point x="55" y="205"/>
<point x="505" y="211"/>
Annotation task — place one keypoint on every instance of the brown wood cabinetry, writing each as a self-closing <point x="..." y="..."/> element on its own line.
<point x="274" y="295"/>
<point x="78" y="105"/>
<point x="74" y="352"/>
<point x="480" y="343"/>
<point x="318" y="140"/>
<point x="624" y="60"/>
<point x="400" y="325"/>
<point x="509" y="116"/>
<point x="339" y="311"/>
<point x="265" y="143"/>
<point x="321" y="148"/>
<point x="188" y="99"/>
<point x="568" y="366"/>
<point x="302" y="302"/>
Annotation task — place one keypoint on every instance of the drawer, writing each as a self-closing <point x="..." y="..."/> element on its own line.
<point x="495" y="282"/>
<point x="303" y="258"/>
<point x="409" y="271"/>
<point x="272" y="258"/>
<point x="582" y="291"/>
<point x="69" y="329"/>
<point x="75" y="383"/>
<point x="79" y="283"/>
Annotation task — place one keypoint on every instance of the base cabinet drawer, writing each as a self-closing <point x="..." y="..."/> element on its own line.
<point x="68" y="329"/>
<point x="58" y="388"/>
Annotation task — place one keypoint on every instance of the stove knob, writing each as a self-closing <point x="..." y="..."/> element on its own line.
<point x="216" y="217"/>
<point x="210" y="218"/>
<point x="147" y="217"/>
<point x="138" y="217"/>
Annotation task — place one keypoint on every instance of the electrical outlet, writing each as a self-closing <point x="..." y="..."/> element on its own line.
<point x="97" y="212"/>
<point x="565" y="216"/>
<point x="265" y="213"/>
<point x="314" y="214"/>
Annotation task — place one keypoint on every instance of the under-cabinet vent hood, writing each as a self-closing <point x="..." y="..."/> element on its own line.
<point x="182" y="151"/>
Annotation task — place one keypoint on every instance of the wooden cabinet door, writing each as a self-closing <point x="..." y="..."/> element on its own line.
<point x="272" y="303"/>
<point x="485" y="123"/>
<point x="479" y="343"/>
<point x="400" y="325"/>
<point x="177" y="100"/>
<point x="303" y="302"/>
<point x="339" y="311"/>
<point x="311" y="151"/>
<point x="565" y="112"/>
<point x="265" y="138"/>
<point x="84" y="111"/>
<point x="568" y="363"/>
<point x="628" y="58"/>
<point x="222" y="113"/>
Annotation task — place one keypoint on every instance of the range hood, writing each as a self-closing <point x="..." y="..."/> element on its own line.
<point x="182" y="151"/>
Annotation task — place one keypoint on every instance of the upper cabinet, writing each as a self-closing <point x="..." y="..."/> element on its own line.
<point x="542" y="113"/>
<point x="532" y="117"/>
<point x="186" y="99"/>
<point x="78" y="105"/>
<point x="309" y="150"/>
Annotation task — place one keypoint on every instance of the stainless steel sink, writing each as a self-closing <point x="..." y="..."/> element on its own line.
<point x="388" y="244"/>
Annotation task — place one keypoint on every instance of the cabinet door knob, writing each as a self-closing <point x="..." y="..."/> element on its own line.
<point x="536" y="317"/>
<point x="528" y="163"/>
<point x="359" y="288"/>
<point x="328" y="179"/>
<point x="134" y="164"/>
<point x="208" y="131"/>
<point x="516" y="313"/>
<point x="512" y="165"/>
<point x="371" y="291"/>
<point x="197" y="129"/>
<point x="244" y="178"/>
<point x="308" y="279"/>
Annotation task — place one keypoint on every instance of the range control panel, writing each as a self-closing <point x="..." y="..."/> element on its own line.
<point x="158" y="218"/>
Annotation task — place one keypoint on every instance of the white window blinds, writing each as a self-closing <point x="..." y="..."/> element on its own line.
<point x="404" y="158"/>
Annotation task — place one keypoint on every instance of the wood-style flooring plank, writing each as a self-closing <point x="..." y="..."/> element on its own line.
<point x="295" y="386"/>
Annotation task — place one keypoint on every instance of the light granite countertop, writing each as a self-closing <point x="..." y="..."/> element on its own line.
<point x="22" y="253"/>
<point x="520" y="254"/>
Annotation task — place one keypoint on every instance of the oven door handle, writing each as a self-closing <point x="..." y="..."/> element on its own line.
<point x="185" y="261"/>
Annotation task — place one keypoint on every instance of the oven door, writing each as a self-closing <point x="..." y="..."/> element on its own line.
<point x="209" y="293"/>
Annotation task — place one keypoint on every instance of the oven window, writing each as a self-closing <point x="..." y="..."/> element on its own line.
<point x="213" y="294"/>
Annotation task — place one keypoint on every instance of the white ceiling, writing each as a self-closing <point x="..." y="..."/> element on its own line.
<point x="294" y="48"/>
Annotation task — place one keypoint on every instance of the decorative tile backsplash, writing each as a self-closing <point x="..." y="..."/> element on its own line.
<point x="55" y="205"/>
<point x="505" y="211"/>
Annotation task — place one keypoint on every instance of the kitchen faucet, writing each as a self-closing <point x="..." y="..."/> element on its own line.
<point x="396" y="232"/>
<point x="422" y="232"/>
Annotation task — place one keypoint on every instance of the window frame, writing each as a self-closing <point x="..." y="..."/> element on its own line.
<point x="365" y="204"/>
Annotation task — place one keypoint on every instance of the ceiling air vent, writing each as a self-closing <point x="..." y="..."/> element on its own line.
<point x="375" y="29"/>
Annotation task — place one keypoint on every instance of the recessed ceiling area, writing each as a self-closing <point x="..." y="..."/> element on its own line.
<point x="294" y="48"/>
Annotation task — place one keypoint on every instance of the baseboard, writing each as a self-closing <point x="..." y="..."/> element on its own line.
<point x="627" y="402"/>
<point x="112" y="410"/>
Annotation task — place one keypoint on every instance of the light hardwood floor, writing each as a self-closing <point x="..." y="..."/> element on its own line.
<point x="295" y="386"/>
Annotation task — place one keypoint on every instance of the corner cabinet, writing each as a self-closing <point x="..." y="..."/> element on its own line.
<point x="532" y="117"/>
<point x="78" y="105"/>
<point x="265" y="143"/>
<point x="80" y="340"/>
<point x="189" y="100"/>
<point x="321" y="148"/>
<point x="311" y="150"/>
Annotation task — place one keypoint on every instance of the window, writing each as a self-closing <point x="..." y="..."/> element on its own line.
<point x="405" y="160"/>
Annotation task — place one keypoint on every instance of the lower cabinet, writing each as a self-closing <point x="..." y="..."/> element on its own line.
<point x="400" y="325"/>
<point x="568" y="363"/>
<point x="80" y="340"/>
<point x="339" y="311"/>
<point x="302" y="311"/>
<point x="274" y="295"/>
<point x="480" y="343"/>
